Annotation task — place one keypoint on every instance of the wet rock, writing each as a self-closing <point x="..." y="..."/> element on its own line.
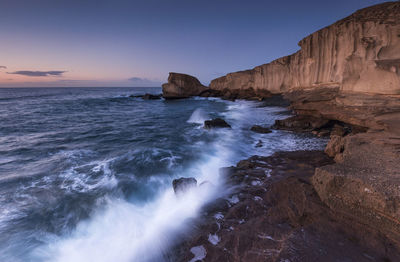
<point x="216" y="123"/>
<point x="260" y="129"/>
<point x="183" y="184"/>
<point x="147" y="96"/>
<point x="259" y="143"/>
<point x="152" y="97"/>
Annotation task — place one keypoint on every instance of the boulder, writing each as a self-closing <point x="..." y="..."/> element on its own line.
<point x="300" y="123"/>
<point x="216" y="123"/>
<point x="183" y="184"/>
<point x="182" y="86"/>
<point x="260" y="129"/>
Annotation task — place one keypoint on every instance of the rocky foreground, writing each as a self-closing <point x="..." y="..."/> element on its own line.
<point x="344" y="82"/>
<point x="274" y="214"/>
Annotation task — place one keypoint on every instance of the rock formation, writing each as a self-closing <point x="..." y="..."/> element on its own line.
<point x="216" y="123"/>
<point x="182" y="86"/>
<point x="360" y="53"/>
<point x="274" y="214"/>
<point x="183" y="184"/>
<point x="346" y="74"/>
<point x="343" y="82"/>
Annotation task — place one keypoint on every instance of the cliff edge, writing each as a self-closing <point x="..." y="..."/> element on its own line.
<point x="359" y="53"/>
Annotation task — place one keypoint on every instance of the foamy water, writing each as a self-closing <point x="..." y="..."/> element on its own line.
<point x="87" y="173"/>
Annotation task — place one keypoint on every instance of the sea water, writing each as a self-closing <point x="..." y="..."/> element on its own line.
<point x="86" y="173"/>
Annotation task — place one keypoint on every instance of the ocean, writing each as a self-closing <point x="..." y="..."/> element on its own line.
<point x="86" y="173"/>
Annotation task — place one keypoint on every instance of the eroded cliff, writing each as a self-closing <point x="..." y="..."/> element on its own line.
<point x="360" y="53"/>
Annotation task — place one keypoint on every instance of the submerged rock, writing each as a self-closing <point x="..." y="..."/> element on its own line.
<point x="183" y="184"/>
<point x="151" y="97"/>
<point x="259" y="143"/>
<point x="147" y="96"/>
<point x="260" y="129"/>
<point x="216" y="123"/>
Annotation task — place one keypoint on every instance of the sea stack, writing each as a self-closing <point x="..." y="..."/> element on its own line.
<point x="182" y="86"/>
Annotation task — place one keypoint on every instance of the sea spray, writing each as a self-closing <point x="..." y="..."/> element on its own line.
<point x="126" y="232"/>
<point x="198" y="116"/>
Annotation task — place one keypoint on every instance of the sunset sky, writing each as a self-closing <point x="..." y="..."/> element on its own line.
<point x="51" y="43"/>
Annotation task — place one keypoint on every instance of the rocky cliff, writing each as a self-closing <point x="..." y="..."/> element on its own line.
<point x="348" y="74"/>
<point x="360" y="53"/>
<point x="346" y="79"/>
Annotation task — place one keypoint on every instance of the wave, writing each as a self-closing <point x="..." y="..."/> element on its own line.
<point x="198" y="117"/>
<point x="125" y="231"/>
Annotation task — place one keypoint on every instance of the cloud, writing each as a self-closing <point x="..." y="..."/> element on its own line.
<point x="3" y="67"/>
<point x="38" y="73"/>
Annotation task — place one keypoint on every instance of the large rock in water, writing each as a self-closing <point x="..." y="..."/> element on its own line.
<point x="182" y="86"/>
<point x="183" y="184"/>
<point x="216" y="123"/>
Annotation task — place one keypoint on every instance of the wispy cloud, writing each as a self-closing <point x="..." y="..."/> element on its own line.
<point x="3" y="67"/>
<point x="38" y="73"/>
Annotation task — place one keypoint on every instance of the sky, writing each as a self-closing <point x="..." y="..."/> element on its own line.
<point x="117" y="43"/>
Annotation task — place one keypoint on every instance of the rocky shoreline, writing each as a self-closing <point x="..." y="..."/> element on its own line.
<point x="344" y="205"/>
<point x="273" y="213"/>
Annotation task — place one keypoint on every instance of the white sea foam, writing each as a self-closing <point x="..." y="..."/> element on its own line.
<point x="124" y="231"/>
<point x="199" y="253"/>
<point x="213" y="239"/>
<point x="198" y="116"/>
<point x="73" y="180"/>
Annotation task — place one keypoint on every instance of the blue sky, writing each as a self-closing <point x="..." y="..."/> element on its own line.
<point x="136" y="43"/>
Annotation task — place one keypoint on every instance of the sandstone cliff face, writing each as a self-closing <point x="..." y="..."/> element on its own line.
<point x="360" y="53"/>
<point x="182" y="86"/>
